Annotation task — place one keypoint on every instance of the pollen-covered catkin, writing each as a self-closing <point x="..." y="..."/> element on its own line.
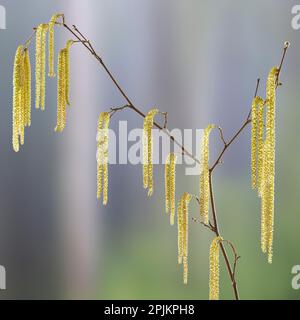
<point x="256" y="138"/>
<point x="214" y="272"/>
<point x="182" y="224"/>
<point x="27" y="98"/>
<point x="167" y="183"/>
<point x="52" y="22"/>
<point x="260" y="142"/>
<point x="63" y="85"/>
<point x="68" y="46"/>
<point x="43" y="66"/>
<point x="102" y="156"/>
<point x="170" y="175"/>
<point x="16" y="97"/>
<point x="21" y="96"/>
<point x="147" y="151"/>
<point x="61" y="92"/>
<point x="40" y="68"/>
<point x="38" y="59"/>
<point x="268" y="183"/>
<point x="264" y="200"/>
<point x="204" y="175"/>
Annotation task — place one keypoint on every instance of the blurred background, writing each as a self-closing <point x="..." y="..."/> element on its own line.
<point x="197" y="60"/>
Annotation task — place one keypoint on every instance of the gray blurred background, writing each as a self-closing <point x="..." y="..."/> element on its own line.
<point x="198" y="60"/>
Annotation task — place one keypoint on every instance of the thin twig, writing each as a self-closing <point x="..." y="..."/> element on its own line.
<point x="286" y="46"/>
<point x="255" y="95"/>
<point x="165" y="114"/>
<point x="208" y="226"/>
<point x="116" y="109"/>
<point x="236" y="256"/>
<point x="222" y="136"/>
<point x="28" y="41"/>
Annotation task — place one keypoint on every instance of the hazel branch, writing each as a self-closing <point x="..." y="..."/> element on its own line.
<point x="212" y="226"/>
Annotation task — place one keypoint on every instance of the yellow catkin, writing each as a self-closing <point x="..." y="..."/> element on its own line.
<point x="61" y="92"/>
<point x="147" y="151"/>
<point x="63" y="85"/>
<point x="40" y="68"/>
<point x="43" y="66"/>
<point x="38" y="59"/>
<point x="27" y="77"/>
<point x="68" y="46"/>
<point x="16" y="97"/>
<point x="264" y="200"/>
<point x="204" y="175"/>
<point x="170" y="185"/>
<point x="167" y="184"/>
<point x="21" y="96"/>
<point x="102" y="156"/>
<point x="182" y="224"/>
<point x="269" y="173"/>
<point x="260" y="141"/>
<point x="52" y="22"/>
<point x="256" y="138"/>
<point x="214" y="272"/>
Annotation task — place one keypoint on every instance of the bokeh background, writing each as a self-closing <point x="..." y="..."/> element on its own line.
<point x="198" y="60"/>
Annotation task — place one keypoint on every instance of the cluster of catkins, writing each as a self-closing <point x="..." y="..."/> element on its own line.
<point x="263" y="158"/>
<point x="22" y="80"/>
<point x="170" y="174"/>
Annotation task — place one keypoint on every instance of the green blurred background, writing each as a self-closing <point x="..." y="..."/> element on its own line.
<point x="198" y="60"/>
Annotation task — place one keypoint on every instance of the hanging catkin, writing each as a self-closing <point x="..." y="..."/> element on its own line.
<point x="27" y="81"/>
<point x="21" y="96"/>
<point x="264" y="200"/>
<point x="170" y="172"/>
<point x="260" y="141"/>
<point x="256" y="139"/>
<point x="214" y="272"/>
<point x="16" y="97"/>
<point x="147" y="151"/>
<point x="102" y="156"/>
<point x="268" y="170"/>
<point x="182" y="223"/>
<point x="204" y="175"/>
<point x="61" y="92"/>
<point x="40" y="68"/>
<point x="63" y="86"/>
<point x="51" y="44"/>
<point x="68" y="46"/>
